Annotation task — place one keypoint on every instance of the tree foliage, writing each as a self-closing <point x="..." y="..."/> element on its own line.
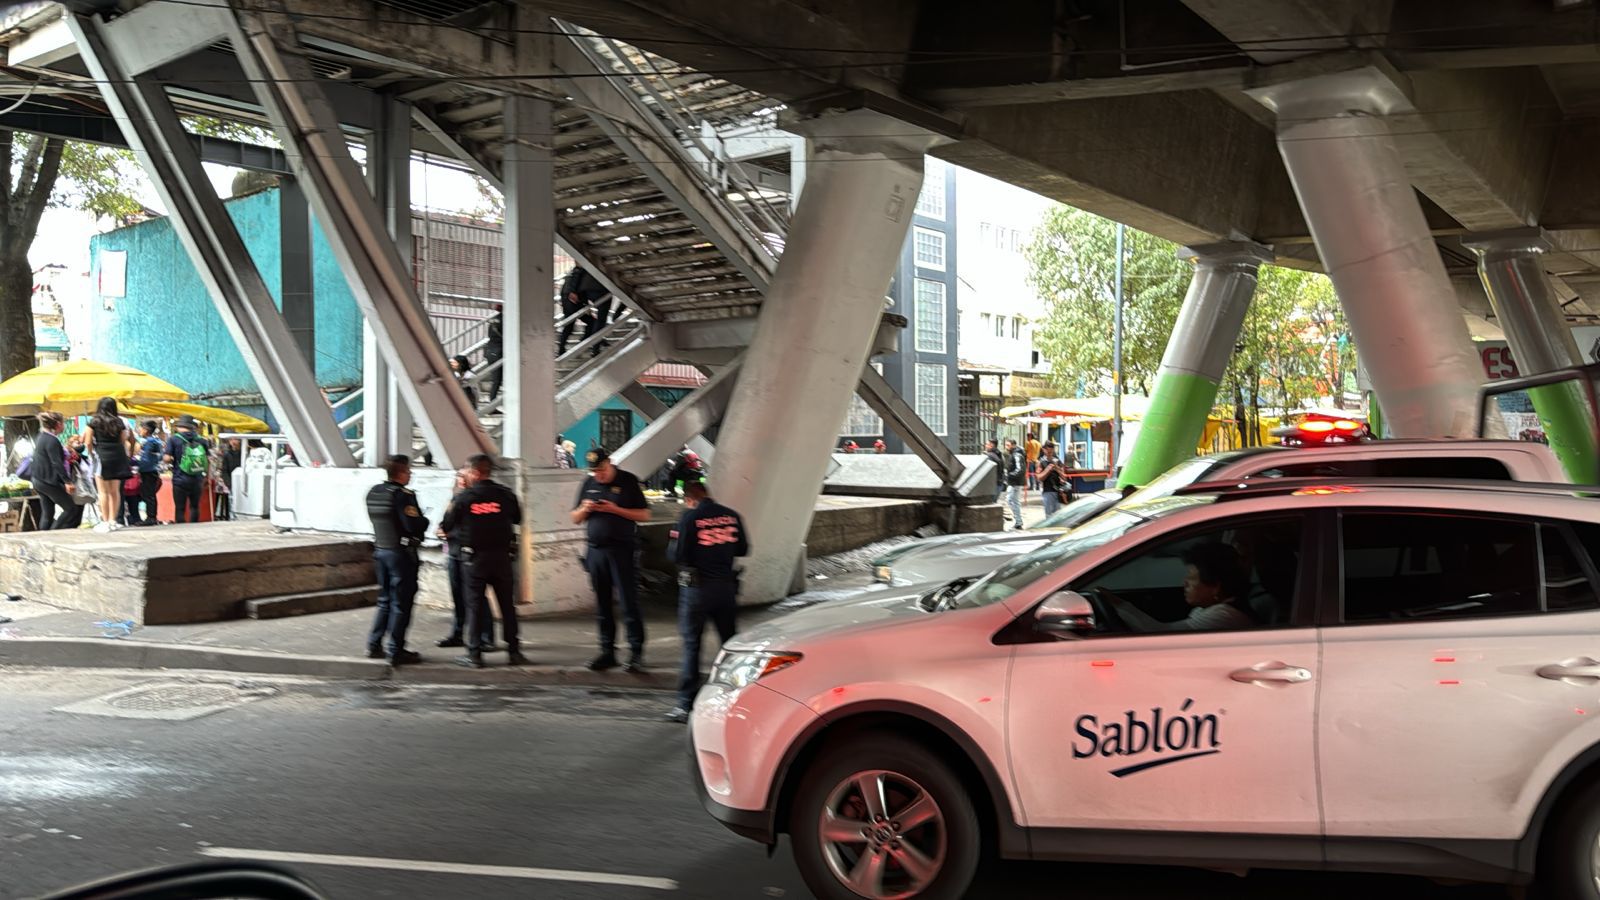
<point x="1292" y="349"/>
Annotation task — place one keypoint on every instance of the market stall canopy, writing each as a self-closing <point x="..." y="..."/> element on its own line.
<point x="1085" y="409"/>
<point x="226" y="419"/>
<point x="73" y="387"/>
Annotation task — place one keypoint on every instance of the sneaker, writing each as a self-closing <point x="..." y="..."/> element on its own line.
<point x="517" y="659"/>
<point x="635" y="664"/>
<point x="471" y="661"/>
<point x="102" y="527"/>
<point x="451" y="642"/>
<point x="603" y="662"/>
<point x="374" y="653"/>
<point x="678" y="714"/>
<point x="405" y="658"/>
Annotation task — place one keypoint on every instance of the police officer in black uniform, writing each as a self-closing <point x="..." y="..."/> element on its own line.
<point x="489" y="513"/>
<point x="455" y="539"/>
<point x="708" y="538"/>
<point x="398" y="527"/>
<point x="610" y="507"/>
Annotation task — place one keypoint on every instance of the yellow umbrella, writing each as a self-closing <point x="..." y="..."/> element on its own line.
<point x="225" y="419"/>
<point x="73" y="388"/>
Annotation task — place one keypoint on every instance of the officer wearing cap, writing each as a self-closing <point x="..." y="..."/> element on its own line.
<point x="398" y="527"/>
<point x="488" y="513"/>
<point x="610" y="507"/>
<point x="709" y="537"/>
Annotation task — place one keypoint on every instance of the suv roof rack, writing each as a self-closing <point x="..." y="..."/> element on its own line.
<point x="1239" y="488"/>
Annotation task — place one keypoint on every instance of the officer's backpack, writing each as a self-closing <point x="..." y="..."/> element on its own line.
<point x="195" y="459"/>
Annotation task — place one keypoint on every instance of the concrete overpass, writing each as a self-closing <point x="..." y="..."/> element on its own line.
<point x="1390" y="144"/>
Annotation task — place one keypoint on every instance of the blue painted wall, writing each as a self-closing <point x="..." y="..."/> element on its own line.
<point x="167" y="325"/>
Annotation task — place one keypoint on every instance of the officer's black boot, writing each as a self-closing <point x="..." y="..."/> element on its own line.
<point x="603" y="662"/>
<point x="516" y="658"/>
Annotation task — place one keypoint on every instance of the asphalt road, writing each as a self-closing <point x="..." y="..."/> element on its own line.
<point x="587" y="783"/>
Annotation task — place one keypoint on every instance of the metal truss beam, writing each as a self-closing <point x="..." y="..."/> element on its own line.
<point x="305" y="122"/>
<point x="150" y="124"/>
<point x="92" y="129"/>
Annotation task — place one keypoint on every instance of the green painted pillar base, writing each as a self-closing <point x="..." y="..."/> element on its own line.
<point x="1569" y="427"/>
<point x="1172" y="426"/>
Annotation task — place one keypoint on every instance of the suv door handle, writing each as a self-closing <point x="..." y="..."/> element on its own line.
<point x="1272" y="673"/>
<point x="1582" y="667"/>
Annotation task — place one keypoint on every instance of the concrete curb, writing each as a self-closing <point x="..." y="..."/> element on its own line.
<point x="499" y="674"/>
<point x="111" y="653"/>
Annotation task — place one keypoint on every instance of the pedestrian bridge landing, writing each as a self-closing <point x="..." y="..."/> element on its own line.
<point x="174" y="574"/>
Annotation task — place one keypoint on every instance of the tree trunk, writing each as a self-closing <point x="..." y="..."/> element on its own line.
<point x="16" y="323"/>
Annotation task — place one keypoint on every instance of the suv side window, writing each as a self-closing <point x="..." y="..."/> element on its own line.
<point x="1469" y="467"/>
<point x="1566" y="576"/>
<point x="1404" y="567"/>
<point x="1242" y="575"/>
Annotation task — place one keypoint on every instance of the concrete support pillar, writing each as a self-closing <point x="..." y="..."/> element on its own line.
<point x="388" y="425"/>
<point x="1376" y="247"/>
<point x="812" y="339"/>
<point x="1530" y="314"/>
<point x="1197" y="353"/>
<point x="528" y="173"/>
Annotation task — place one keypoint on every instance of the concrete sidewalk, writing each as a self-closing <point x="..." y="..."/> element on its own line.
<point x="334" y="645"/>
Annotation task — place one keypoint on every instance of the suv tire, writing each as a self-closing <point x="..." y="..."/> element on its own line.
<point x="898" y="823"/>
<point x="1569" y="860"/>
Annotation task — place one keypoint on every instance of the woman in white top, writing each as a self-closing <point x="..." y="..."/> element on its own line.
<point x="1214" y="587"/>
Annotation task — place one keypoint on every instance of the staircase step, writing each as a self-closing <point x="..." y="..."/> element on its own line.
<point x="284" y="605"/>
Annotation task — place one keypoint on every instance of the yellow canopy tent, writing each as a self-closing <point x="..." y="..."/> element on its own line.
<point x="73" y="387"/>
<point x="225" y="419"/>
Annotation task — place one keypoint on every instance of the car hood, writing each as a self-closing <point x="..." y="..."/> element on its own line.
<point x="788" y="631"/>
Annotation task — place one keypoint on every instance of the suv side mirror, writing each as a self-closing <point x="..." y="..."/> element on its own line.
<point x="1066" y="613"/>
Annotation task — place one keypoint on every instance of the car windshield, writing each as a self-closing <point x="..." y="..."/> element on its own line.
<point x="1104" y="528"/>
<point x="1080" y="510"/>
<point x="1177" y="478"/>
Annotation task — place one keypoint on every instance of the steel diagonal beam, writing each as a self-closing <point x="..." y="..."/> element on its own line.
<point x="680" y="424"/>
<point x="876" y="391"/>
<point x="354" y="225"/>
<point x="151" y="127"/>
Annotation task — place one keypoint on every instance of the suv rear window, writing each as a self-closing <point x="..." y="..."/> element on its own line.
<point x="1479" y="468"/>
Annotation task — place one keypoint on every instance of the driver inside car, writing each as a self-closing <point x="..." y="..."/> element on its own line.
<point x="1214" y="586"/>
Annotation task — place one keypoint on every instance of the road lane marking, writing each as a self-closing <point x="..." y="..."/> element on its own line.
<point x="447" y="868"/>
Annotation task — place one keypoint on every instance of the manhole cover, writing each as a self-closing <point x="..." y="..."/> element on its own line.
<point x="172" y="701"/>
<point x="176" y="696"/>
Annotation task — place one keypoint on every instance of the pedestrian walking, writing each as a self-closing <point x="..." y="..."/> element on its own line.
<point x="50" y="477"/>
<point x="610" y="507"/>
<point x="992" y="452"/>
<point x="460" y="368"/>
<point x="709" y="537"/>
<point x="489" y="514"/>
<point x="189" y="456"/>
<point x="454" y="534"/>
<point x="232" y="459"/>
<point x="1031" y="451"/>
<point x="493" y="352"/>
<point x="1016" y="477"/>
<point x="149" y="474"/>
<point x="1050" y="478"/>
<point x="112" y="444"/>
<point x="398" y="527"/>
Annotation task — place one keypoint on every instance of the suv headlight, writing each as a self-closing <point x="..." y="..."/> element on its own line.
<point x="742" y="669"/>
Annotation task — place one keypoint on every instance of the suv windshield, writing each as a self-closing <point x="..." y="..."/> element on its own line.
<point x="1104" y="528"/>
<point x="1179" y="477"/>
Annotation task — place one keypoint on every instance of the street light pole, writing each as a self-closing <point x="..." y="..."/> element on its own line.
<point x="1116" y="359"/>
